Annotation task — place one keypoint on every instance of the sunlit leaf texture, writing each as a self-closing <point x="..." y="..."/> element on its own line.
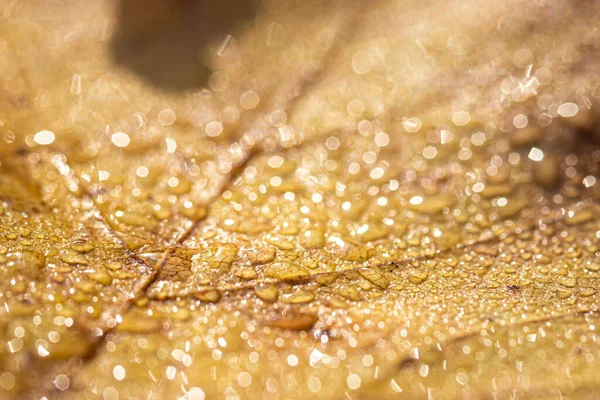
<point x="310" y="199"/>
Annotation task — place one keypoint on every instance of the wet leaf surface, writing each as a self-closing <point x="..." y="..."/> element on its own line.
<point x="363" y="201"/>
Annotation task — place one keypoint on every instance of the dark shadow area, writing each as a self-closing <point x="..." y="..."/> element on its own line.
<point x="165" y="41"/>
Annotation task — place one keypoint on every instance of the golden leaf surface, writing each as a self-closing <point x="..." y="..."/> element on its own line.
<point x="339" y="199"/>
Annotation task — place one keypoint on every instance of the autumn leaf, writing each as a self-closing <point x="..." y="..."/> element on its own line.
<point x="340" y="200"/>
